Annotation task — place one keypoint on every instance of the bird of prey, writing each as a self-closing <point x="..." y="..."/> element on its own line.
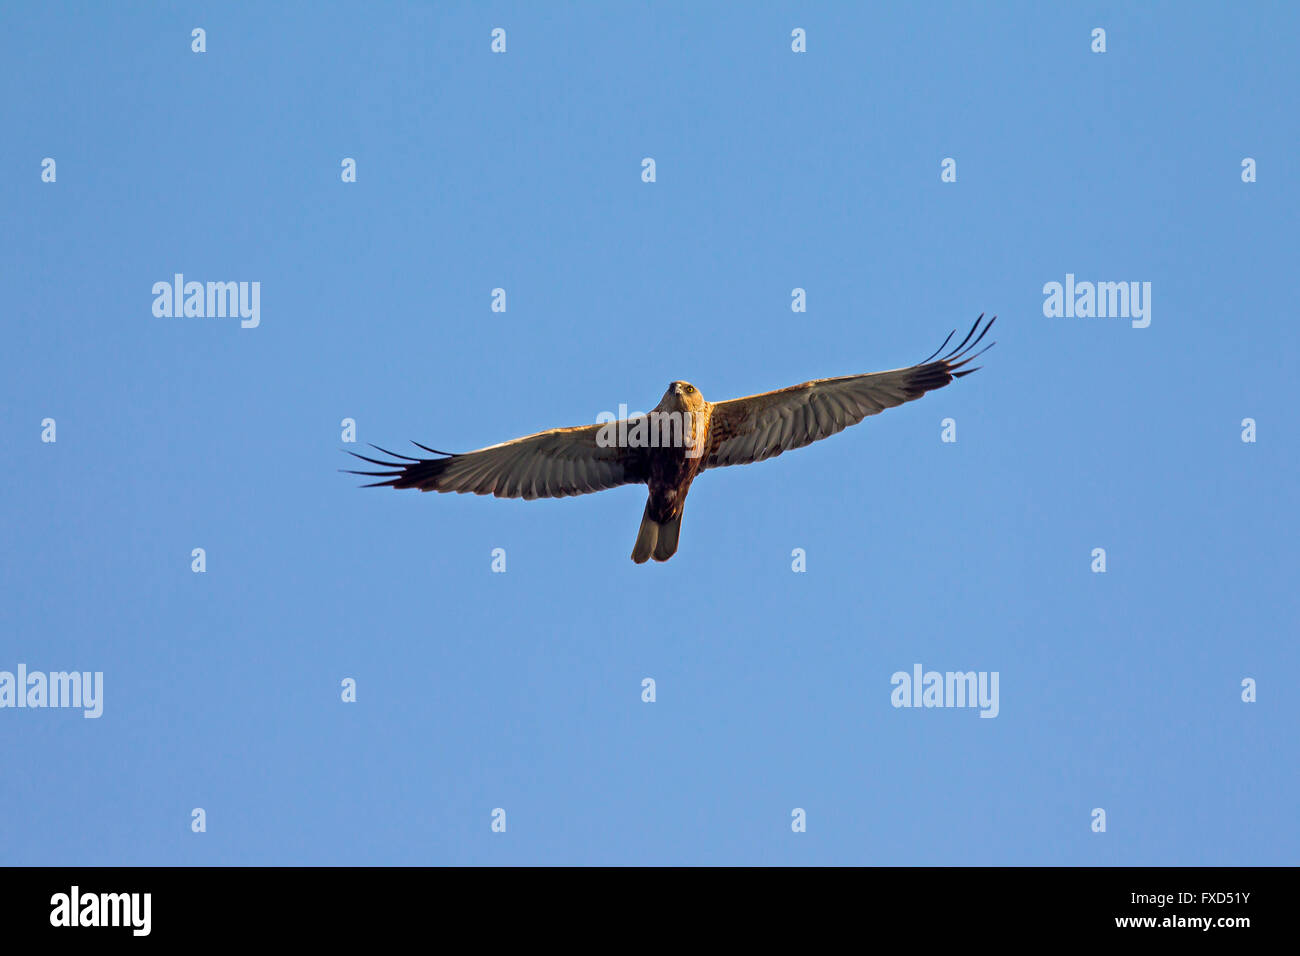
<point x="696" y="435"/>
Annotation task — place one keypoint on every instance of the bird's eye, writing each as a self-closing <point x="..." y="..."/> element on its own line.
<point x="690" y="388"/>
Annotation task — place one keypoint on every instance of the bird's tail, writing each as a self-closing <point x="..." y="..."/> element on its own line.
<point x="656" y="539"/>
<point x="668" y="533"/>
<point x="646" y="539"/>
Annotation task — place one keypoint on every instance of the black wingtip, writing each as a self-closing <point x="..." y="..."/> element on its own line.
<point x="958" y="350"/>
<point x="393" y="453"/>
<point x="965" y="351"/>
<point x="376" y="461"/>
<point x="964" y="347"/>
<point x="939" y="371"/>
<point x="404" y="471"/>
<point x="939" y="349"/>
<point x="449" y="454"/>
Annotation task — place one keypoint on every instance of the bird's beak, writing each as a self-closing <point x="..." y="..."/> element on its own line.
<point x="677" y="388"/>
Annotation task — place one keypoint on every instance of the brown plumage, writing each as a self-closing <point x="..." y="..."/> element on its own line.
<point x="577" y="461"/>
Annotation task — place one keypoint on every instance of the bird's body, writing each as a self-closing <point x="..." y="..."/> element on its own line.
<point x="696" y="435"/>
<point x="671" y="469"/>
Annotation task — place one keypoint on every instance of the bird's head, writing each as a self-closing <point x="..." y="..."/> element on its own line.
<point x="682" y="397"/>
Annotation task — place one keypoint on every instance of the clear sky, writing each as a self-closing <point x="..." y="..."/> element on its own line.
<point x="522" y="690"/>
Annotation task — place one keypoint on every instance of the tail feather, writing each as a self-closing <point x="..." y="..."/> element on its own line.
<point x="646" y="539"/>
<point x="668" y="533"/>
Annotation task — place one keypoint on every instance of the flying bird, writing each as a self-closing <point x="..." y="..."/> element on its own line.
<point x="668" y="448"/>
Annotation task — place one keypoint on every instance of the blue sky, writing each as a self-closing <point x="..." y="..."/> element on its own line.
<point x="774" y="170"/>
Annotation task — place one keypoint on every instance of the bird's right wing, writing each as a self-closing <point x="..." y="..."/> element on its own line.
<point x="758" y="427"/>
<point x="550" y="464"/>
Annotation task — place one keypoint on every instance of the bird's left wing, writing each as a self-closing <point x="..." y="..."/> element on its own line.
<point x="757" y="427"/>
<point x="550" y="464"/>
